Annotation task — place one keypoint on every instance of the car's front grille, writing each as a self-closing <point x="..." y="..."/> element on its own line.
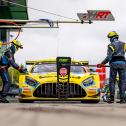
<point x="50" y="90"/>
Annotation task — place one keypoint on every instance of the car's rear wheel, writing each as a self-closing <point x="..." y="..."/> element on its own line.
<point x="25" y="101"/>
<point x="90" y="101"/>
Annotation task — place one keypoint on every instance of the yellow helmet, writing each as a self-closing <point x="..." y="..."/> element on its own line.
<point x="113" y="34"/>
<point x="17" y="44"/>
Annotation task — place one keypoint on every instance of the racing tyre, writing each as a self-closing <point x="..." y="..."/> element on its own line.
<point x="90" y="101"/>
<point x="25" y="101"/>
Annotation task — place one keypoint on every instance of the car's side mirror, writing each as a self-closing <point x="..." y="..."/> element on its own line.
<point x="92" y="70"/>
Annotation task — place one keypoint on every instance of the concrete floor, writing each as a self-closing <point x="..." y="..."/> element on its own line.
<point x="62" y="114"/>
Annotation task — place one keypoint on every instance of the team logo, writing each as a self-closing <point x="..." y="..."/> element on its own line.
<point x="63" y="71"/>
<point x="98" y="15"/>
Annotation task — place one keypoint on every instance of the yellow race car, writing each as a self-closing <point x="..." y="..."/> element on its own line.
<point x="41" y="83"/>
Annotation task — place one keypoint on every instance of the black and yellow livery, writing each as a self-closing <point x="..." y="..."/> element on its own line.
<point x="41" y="83"/>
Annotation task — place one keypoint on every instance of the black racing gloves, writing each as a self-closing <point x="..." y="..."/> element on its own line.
<point x="22" y="70"/>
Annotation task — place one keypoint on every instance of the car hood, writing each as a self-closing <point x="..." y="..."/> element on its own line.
<point x="52" y="77"/>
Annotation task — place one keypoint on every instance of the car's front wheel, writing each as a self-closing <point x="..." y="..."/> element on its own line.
<point x="25" y="101"/>
<point x="90" y="101"/>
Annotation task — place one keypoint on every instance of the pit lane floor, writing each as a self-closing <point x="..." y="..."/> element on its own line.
<point x="61" y="114"/>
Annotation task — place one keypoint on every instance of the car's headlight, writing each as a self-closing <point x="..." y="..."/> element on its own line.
<point x="88" y="82"/>
<point x="30" y="81"/>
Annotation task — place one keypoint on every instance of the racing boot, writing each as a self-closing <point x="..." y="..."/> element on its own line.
<point x="122" y="101"/>
<point x="110" y="99"/>
<point x="3" y="100"/>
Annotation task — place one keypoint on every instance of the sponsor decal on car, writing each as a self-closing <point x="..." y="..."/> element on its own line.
<point x="26" y="88"/>
<point x="63" y="71"/>
<point x="92" y="91"/>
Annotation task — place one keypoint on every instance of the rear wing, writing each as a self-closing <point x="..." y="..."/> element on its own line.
<point x="39" y="61"/>
<point x="85" y="63"/>
<point x="30" y="62"/>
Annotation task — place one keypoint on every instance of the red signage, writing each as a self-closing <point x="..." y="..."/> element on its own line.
<point x="98" y="15"/>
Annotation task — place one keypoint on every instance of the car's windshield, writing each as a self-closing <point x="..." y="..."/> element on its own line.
<point x="46" y="68"/>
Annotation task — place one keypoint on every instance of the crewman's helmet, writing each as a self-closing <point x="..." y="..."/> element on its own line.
<point x="113" y="36"/>
<point x="17" y="44"/>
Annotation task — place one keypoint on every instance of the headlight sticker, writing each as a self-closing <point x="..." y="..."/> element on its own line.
<point x="88" y="82"/>
<point x="31" y="82"/>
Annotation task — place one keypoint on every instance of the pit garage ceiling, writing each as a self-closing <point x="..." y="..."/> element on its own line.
<point x="11" y="11"/>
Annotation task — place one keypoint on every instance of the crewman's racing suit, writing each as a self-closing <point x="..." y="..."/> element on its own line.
<point x="6" y="61"/>
<point x="116" y="58"/>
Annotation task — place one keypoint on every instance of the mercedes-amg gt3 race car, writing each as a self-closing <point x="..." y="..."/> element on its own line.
<point x="41" y="83"/>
